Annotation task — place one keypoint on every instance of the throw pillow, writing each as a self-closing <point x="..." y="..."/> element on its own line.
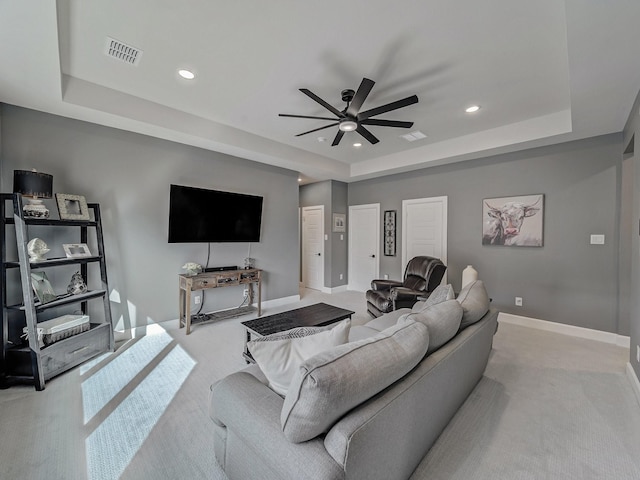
<point x="475" y="303"/>
<point x="279" y="355"/>
<point x="440" y="294"/>
<point x="333" y="382"/>
<point x="441" y="319"/>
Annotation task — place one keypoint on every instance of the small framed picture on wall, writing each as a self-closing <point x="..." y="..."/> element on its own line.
<point x="390" y="233"/>
<point x="339" y="222"/>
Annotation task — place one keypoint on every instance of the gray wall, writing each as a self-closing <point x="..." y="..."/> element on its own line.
<point x="333" y="196"/>
<point x="567" y="280"/>
<point x="129" y="175"/>
<point x="632" y="160"/>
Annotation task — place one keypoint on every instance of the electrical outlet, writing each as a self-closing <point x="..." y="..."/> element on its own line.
<point x="341" y="276"/>
<point x="518" y="301"/>
<point x="197" y="299"/>
<point x="246" y="292"/>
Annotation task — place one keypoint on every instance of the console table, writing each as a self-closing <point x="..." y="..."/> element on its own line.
<point x="227" y="278"/>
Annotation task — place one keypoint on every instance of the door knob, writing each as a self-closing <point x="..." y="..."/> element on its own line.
<point x="372" y="256"/>
<point x="318" y="254"/>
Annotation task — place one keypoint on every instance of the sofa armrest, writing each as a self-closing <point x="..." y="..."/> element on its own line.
<point x="381" y="284"/>
<point x="399" y="294"/>
<point x="250" y="411"/>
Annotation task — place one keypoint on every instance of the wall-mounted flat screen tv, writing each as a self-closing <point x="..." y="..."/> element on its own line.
<point x="201" y="215"/>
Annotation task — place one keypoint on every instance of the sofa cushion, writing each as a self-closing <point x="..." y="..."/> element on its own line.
<point x="441" y="294"/>
<point x="387" y="320"/>
<point x="441" y="319"/>
<point x="359" y="332"/>
<point x="475" y="303"/>
<point x="333" y="382"/>
<point x="279" y="355"/>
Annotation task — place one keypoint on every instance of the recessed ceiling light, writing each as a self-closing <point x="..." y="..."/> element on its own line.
<point x="472" y="109"/>
<point x="188" y="74"/>
<point x="299" y="179"/>
<point x="358" y="144"/>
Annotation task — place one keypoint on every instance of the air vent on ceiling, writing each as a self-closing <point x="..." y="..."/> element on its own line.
<point x="123" y="52"/>
<point x="413" y="136"/>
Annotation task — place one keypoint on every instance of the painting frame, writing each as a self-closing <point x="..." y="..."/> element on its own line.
<point x="339" y="222"/>
<point x="42" y="287"/>
<point x="390" y="233"/>
<point x="513" y="221"/>
<point x="76" y="250"/>
<point x="72" y="207"/>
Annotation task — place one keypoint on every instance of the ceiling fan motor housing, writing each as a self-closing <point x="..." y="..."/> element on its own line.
<point x="347" y="95"/>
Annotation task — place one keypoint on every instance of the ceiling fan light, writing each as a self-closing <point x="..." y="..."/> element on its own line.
<point x="348" y="125"/>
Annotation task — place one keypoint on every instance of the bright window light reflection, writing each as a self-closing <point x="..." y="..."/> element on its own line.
<point x="115" y="441"/>
<point x="106" y="383"/>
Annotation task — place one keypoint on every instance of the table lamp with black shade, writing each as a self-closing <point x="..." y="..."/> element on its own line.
<point x="34" y="186"/>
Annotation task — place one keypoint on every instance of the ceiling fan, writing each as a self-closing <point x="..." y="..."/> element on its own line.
<point x="351" y="119"/>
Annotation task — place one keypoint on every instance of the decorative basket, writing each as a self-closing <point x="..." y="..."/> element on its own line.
<point x="59" y="328"/>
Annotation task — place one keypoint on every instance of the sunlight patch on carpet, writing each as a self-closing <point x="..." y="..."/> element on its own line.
<point x="114" y="443"/>
<point x="106" y="383"/>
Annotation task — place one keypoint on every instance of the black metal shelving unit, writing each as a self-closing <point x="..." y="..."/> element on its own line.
<point x="28" y="362"/>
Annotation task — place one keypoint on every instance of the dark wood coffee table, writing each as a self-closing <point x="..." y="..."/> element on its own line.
<point x="316" y="315"/>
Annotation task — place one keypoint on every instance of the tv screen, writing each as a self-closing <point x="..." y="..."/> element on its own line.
<point x="201" y="215"/>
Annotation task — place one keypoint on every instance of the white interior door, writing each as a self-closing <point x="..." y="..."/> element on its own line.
<point x="364" y="246"/>
<point x="313" y="247"/>
<point x="424" y="229"/>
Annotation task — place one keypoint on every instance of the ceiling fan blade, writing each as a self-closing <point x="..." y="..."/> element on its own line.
<point x="388" y="107"/>
<point x="358" y="99"/>
<point x="367" y="134"/>
<point x="317" y="129"/>
<point x="386" y="123"/>
<point x="305" y="116"/>
<point x="336" y="140"/>
<point x="331" y="108"/>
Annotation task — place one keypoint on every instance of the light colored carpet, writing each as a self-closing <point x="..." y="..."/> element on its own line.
<point x="549" y="407"/>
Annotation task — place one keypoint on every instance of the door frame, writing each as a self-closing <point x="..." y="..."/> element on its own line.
<point x="444" y="201"/>
<point x="303" y="245"/>
<point x="377" y="237"/>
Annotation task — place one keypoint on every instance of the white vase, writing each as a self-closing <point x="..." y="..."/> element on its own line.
<point x="469" y="275"/>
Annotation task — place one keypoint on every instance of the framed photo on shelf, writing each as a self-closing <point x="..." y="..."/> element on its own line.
<point x="76" y="250"/>
<point x="42" y="288"/>
<point x="339" y="222"/>
<point x="72" y="207"/>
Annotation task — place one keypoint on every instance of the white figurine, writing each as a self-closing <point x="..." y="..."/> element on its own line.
<point x="36" y="249"/>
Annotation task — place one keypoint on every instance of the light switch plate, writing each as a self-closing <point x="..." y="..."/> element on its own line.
<point x="597" y="239"/>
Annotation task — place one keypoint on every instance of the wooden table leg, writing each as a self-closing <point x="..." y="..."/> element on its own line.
<point x="187" y="308"/>
<point x="181" y="307"/>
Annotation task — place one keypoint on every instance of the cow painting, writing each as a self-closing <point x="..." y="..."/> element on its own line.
<point x="513" y="221"/>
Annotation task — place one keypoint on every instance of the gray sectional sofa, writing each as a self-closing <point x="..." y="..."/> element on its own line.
<point x="368" y="409"/>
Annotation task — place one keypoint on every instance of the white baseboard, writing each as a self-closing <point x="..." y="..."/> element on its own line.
<point x="278" y="302"/>
<point x="633" y="378"/>
<point x="339" y="289"/>
<point x="607" y="337"/>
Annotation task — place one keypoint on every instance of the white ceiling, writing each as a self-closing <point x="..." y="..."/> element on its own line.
<point x="543" y="71"/>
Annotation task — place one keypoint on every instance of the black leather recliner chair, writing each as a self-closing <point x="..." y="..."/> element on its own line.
<point x="421" y="277"/>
